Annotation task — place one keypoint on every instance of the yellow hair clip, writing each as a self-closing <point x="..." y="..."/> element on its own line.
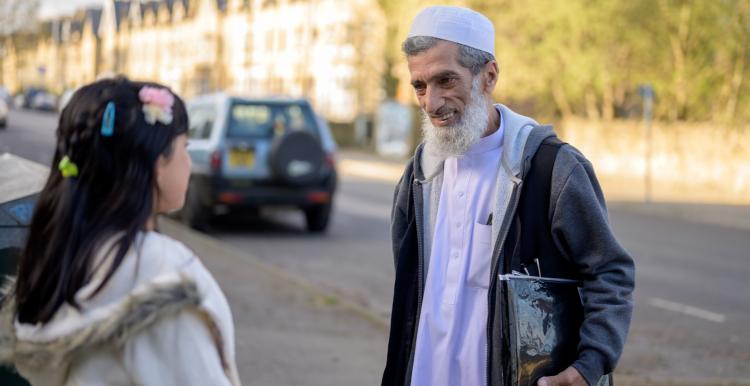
<point x="67" y="167"/>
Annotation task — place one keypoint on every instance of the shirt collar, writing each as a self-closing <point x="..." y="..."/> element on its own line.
<point x="490" y="142"/>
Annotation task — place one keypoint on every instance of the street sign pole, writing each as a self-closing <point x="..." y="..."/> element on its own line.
<point x="647" y="93"/>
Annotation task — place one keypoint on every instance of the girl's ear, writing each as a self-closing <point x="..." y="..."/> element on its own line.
<point x="160" y="161"/>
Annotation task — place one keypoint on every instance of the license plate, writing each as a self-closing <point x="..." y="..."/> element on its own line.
<point x="241" y="158"/>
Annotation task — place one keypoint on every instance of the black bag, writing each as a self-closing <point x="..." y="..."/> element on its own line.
<point x="541" y="315"/>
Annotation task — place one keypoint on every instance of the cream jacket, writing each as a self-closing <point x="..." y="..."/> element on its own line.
<point x="160" y="320"/>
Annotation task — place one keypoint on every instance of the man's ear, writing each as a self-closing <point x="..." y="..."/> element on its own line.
<point x="491" y="74"/>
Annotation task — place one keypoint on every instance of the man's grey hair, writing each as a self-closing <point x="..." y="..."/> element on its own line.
<point x="469" y="57"/>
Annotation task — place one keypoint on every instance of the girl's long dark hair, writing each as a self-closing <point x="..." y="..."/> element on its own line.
<point x="113" y="194"/>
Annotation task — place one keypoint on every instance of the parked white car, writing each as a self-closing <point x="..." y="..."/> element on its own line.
<point x="3" y="114"/>
<point x="64" y="99"/>
<point x="5" y="95"/>
<point x="250" y="153"/>
<point x="43" y="100"/>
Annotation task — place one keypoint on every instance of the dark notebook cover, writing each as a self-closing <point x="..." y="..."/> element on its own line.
<point x="543" y="319"/>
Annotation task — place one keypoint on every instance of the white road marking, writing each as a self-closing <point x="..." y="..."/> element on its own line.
<point x="688" y="310"/>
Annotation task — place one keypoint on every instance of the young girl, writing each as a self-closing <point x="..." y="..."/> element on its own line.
<point x="101" y="298"/>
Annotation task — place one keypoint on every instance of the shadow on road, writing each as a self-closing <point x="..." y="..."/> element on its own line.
<point x="271" y="224"/>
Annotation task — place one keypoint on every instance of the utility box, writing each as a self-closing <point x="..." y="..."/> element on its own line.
<point x="21" y="181"/>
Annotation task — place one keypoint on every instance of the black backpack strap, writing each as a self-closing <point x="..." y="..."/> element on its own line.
<point x="533" y="236"/>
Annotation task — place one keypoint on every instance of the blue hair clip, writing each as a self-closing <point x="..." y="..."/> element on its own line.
<point x="108" y="120"/>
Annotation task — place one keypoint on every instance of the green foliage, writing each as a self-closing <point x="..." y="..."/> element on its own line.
<point x="587" y="58"/>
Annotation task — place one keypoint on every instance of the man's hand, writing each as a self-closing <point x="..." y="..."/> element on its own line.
<point x="569" y="377"/>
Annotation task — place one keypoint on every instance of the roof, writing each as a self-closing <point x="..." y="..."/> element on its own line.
<point x="122" y="9"/>
<point x="57" y="31"/>
<point x="169" y="4"/>
<point x="149" y="7"/>
<point x="94" y="15"/>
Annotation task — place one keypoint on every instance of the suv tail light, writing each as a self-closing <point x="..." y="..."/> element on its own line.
<point x="216" y="160"/>
<point x="330" y="160"/>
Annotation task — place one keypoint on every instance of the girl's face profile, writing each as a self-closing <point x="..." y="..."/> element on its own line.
<point x="172" y="175"/>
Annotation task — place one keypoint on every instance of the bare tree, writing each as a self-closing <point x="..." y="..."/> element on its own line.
<point x="17" y="15"/>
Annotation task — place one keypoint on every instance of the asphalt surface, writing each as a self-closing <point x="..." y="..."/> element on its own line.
<point x="30" y="135"/>
<point x="692" y="310"/>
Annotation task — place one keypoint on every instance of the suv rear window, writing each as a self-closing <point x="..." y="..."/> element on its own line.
<point x="266" y="120"/>
<point x="201" y="121"/>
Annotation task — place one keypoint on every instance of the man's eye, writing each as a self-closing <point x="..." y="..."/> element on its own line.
<point x="447" y="81"/>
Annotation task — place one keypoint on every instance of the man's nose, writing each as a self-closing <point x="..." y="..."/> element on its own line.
<point x="433" y="100"/>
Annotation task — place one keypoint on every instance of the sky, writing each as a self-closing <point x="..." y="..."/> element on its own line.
<point x="51" y="8"/>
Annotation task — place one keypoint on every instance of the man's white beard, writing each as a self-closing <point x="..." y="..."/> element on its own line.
<point x="456" y="139"/>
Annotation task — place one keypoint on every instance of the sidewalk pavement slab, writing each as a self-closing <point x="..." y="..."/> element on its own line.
<point x="287" y="331"/>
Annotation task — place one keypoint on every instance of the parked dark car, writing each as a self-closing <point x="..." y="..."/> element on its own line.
<point x="37" y="99"/>
<point x="252" y="153"/>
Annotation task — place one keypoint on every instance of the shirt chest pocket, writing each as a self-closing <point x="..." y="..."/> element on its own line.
<point x="481" y="256"/>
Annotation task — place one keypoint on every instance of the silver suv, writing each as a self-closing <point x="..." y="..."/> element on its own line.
<point x="250" y="153"/>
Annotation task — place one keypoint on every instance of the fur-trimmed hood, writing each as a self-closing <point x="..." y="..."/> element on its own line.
<point x="123" y="320"/>
<point x="162" y="279"/>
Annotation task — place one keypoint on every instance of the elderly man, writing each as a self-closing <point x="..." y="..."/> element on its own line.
<point x="456" y="221"/>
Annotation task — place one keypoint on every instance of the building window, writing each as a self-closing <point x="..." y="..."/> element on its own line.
<point x="300" y="36"/>
<point x="269" y="40"/>
<point x="282" y="40"/>
<point x="249" y="43"/>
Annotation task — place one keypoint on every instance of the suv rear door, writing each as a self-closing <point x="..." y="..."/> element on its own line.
<point x="252" y="125"/>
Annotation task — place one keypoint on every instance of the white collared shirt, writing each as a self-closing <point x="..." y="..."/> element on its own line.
<point x="451" y="338"/>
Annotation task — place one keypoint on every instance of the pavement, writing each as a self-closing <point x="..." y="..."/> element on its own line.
<point x="289" y="331"/>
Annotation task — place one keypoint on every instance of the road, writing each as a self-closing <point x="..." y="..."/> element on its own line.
<point x="692" y="309"/>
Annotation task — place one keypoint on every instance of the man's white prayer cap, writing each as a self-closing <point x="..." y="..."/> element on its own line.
<point x="455" y="24"/>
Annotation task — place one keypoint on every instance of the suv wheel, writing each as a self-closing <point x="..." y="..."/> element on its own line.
<point x="318" y="217"/>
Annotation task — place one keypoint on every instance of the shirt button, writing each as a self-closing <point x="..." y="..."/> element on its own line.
<point x="460" y="194"/>
<point x="458" y="225"/>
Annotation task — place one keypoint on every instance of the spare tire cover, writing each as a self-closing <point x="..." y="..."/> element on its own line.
<point x="296" y="158"/>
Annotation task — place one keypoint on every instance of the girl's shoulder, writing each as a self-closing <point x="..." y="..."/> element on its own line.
<point x="154" y="259"/>
<point x="163" y="251"/>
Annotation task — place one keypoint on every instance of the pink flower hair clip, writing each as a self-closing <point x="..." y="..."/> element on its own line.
<point x="157" y="104"/>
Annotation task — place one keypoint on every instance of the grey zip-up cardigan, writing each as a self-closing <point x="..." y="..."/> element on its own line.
<point x="580" y="230"/>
